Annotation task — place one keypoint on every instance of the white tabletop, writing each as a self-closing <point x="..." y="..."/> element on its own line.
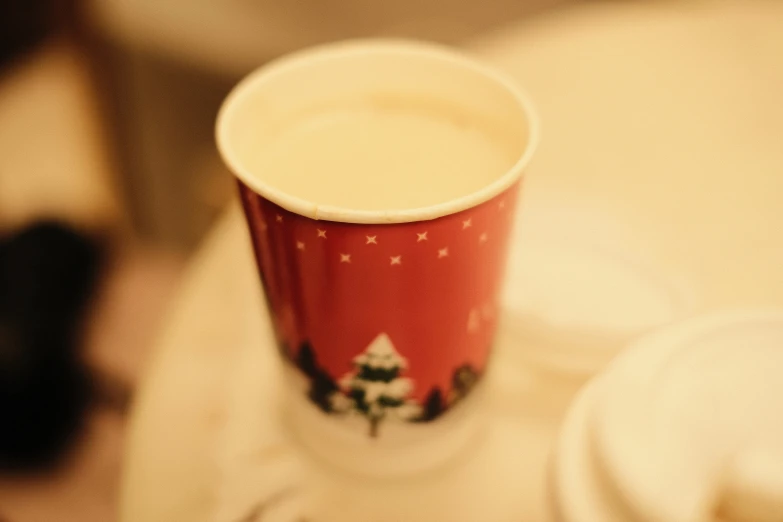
<point x="665" y="116"/>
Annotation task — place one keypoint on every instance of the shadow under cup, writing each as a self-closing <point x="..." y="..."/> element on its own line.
<point x="385" y="317"/>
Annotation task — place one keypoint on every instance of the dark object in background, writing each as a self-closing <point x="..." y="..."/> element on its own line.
<point x="25" y="23"/>
<point x="47" y="276"/>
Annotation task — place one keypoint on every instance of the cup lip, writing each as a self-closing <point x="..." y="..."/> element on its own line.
<point x="358" y="47"/>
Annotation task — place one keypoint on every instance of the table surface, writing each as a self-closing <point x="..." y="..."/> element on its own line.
<point x="235" y="36"/>
<point x="664" y="116"/>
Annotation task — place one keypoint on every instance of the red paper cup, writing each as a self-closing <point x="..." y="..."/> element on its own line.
<point x="385" y="318"/>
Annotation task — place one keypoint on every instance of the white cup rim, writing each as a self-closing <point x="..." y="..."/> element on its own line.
<point x="234" y="102"/>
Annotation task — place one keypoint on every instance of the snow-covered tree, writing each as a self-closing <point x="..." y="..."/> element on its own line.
<point x="375" y="386"/>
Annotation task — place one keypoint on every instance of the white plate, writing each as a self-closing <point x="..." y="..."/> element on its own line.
<point x="267" y="477"/>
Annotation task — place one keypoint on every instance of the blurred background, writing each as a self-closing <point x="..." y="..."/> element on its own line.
<point x="109" y="178"/>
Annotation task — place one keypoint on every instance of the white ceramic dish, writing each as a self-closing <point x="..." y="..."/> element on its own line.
<point x="686" y="425"/>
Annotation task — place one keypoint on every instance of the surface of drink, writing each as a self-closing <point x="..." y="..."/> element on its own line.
<point x="379" y="156"/>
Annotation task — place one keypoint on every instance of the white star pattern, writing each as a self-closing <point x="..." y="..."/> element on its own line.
<point x="373" y="240"/>
<point x="279" y="218"/>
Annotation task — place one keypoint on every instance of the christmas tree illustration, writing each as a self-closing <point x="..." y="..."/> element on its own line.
<point x="463" y="380"/>
<point x="375" y="387"/>
<point x="434" y="406"/>
<point x="322" y="388"/>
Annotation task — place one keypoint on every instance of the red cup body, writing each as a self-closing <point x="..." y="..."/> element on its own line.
<point x="389" y="323"/>
<point x="385" y="317"/>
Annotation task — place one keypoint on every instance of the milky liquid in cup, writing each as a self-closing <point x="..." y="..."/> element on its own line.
<point x="385" y="155"/>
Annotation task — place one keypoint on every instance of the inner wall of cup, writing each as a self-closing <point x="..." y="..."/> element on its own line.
<point x="435" y="80"/>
